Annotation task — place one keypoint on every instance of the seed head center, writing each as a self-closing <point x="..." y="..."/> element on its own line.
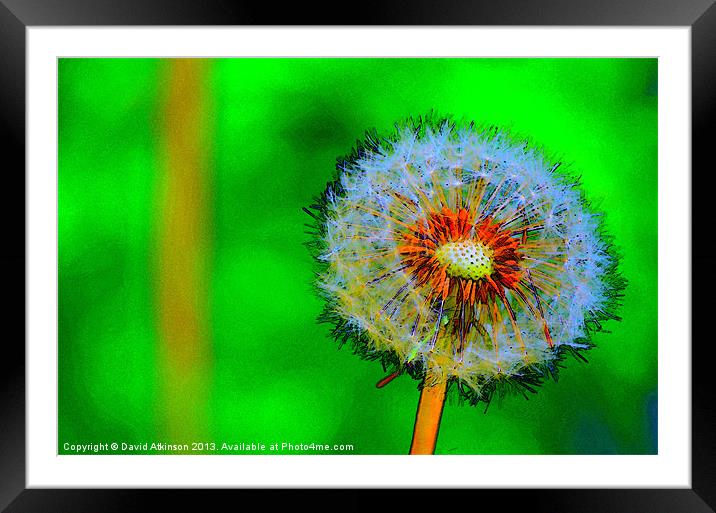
<point x="469" y="259"/>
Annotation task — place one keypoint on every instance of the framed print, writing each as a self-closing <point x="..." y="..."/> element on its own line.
<point x="393" y="255"/>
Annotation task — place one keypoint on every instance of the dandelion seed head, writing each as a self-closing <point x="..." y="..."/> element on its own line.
<point x="461" y="251"/>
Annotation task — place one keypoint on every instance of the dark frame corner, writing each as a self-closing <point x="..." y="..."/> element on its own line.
<point x="17" y="15"/>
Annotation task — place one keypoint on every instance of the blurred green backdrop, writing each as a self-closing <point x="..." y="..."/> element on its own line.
<point x="262" y="370"/>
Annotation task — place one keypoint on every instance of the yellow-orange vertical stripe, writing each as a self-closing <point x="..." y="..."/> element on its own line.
<point x="182" y="243"/>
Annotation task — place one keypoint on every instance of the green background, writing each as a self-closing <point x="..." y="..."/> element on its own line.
<point x="278" y="126"/>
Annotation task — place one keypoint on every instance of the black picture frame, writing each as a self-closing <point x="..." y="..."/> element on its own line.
<point x="17" y="15"/>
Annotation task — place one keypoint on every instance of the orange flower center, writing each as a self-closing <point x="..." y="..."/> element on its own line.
<point x="451" y="253"/>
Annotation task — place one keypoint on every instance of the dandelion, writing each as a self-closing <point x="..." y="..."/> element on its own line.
<point x="463" y="258"/>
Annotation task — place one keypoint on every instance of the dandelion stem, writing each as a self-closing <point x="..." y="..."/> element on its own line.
<point x="427" y="418"/>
